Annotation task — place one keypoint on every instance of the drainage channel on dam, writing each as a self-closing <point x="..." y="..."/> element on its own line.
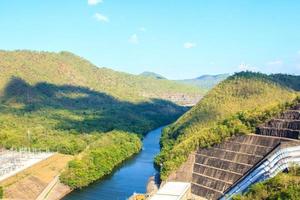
<point x="132" y="176"/>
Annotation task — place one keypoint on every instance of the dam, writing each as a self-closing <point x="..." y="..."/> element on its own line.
<point x="229" y="168"/>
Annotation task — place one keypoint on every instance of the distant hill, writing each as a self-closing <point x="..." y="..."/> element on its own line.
<point x="233" y="106"/>
<point x="205" y="82"/>
<point x="152" y="75"/>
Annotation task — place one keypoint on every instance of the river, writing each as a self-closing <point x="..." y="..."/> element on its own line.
<point x="132" y="176"/>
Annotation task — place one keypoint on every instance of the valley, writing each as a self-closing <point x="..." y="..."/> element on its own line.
<point x="149" y="100"/>
<point x="130" y="177"/>
<point x="99" y="131"/>
<point x="59" y="102"/>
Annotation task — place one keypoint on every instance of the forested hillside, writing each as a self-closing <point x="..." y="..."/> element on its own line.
<point x="66" y="68"/>
<point x="47" y="96"/>
<point x="61" y="102"/>
<point x="235" y="106"/>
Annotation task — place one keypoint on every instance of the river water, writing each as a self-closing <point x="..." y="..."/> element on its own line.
<point x="132" y="176"/>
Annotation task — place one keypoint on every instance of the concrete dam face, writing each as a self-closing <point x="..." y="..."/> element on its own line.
<point x="229" y="168"/>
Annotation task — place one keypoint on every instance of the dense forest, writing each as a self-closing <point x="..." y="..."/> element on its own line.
<point x="235" y="106"/>
<point x="65" y="118"/>
<point x="100" y="158"/>
<point x="282" y="186"/>
<point x="62" y="103"/>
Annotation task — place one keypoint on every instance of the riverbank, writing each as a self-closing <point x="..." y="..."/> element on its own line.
<point x="41" y="181"/>
<point x="60" y="190"/>
<point x="131" y="176"/>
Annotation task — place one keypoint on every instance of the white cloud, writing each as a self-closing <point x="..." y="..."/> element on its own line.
<point x="189" y="45"/>
<point x="275" y="62"/>
<point x="142" y="29"/>
<point x="101" y="18"/>
<point x="134" y="39"/>
<point x="247" y="67"/>
<point x="94" y="2"/>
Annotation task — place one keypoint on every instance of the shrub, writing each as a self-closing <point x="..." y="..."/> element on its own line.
<point x="100" y="158"/>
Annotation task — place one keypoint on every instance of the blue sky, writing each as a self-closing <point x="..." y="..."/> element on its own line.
<point x="176" y="38"/>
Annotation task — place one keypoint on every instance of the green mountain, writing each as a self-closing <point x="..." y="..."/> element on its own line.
<point x="152" y="75"/>
<point x="61" y="92"/>
<point x="205" y="82"/>
<point x="61" y="102"/>
<point x="66" y="68"/>
<point x="234" y="106"/>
